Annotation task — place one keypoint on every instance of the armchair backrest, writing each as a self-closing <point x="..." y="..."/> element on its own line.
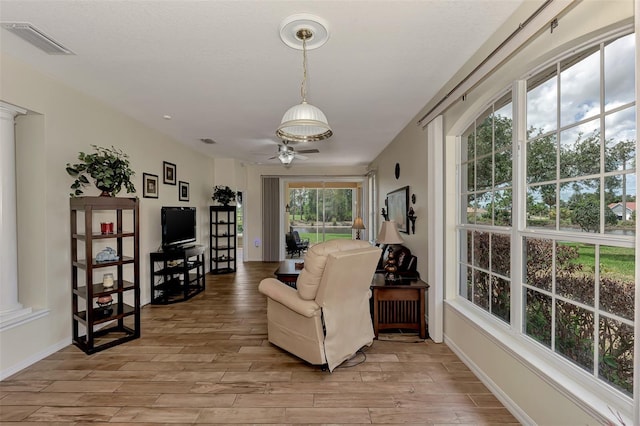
<point x="315" y="262"/>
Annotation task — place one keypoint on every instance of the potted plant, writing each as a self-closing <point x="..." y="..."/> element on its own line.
<point x="108" y="167"/>
<point x="223" y="195"/>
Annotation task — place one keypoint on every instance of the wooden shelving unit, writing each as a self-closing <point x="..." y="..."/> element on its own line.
<point x="96" y="328"/>
<point x="175" y="280"/>
<point x="222" y="245"/>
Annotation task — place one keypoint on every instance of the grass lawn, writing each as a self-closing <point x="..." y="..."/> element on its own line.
<point x="618" y="261"/>
<point x="317" y="238"/>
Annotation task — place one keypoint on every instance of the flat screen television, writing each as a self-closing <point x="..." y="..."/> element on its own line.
<point x="178" y="226"/>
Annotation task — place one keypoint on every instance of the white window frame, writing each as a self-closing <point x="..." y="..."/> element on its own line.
<point x="595" y="396"/>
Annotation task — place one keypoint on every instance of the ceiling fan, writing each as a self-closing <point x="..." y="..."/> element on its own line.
<point x="286" y="154"/>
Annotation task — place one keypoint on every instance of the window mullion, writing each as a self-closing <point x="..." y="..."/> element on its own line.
<point x="519" y="197"/>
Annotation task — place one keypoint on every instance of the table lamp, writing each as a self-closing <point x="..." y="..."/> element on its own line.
<point x="358" y="225"/>
<point x="389" y="235"/>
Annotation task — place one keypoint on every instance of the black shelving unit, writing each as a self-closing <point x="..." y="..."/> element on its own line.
<point x="222" y="245"/>
<point x="179" y="275"/>
<point x="95" y="327"/>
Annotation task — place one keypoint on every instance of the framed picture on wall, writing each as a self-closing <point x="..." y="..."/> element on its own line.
<point x="168" y="173"/>
<point x="398" y="206"/>
<point x="149" y="185"/>
<point x="183" y="191"/>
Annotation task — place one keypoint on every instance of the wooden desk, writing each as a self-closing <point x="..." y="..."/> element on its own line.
<point x="287" y="272"/>
<point x="398" y="304"/>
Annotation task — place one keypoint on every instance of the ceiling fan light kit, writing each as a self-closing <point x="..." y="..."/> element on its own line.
<point x="304" y="122"/>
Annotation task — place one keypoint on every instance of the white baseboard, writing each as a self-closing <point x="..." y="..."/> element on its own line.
<point x="509" y="404"/>
<point x="34" y="358"/>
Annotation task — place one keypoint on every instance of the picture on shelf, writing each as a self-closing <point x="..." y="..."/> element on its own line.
<point x="168" y="173"/>
<point x="149" y="185"/>
<point x="183" y="191"/>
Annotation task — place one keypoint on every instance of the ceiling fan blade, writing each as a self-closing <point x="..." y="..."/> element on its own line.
<point x="273" y="158"/>
<point x="307" y="151"/>
<point x="300" y="157"/>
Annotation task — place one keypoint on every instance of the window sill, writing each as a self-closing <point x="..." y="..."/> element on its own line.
<point x="595" y="398"/>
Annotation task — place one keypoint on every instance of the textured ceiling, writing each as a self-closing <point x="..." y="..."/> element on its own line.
<point x="220" y="70"/>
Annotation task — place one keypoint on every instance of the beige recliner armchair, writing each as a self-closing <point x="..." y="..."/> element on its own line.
<point x="326" y="319"/>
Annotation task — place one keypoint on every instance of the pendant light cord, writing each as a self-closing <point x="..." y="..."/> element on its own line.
<point x="304" y="34"/>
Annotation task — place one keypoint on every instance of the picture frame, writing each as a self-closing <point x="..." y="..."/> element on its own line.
<point x="149" y="185"/>
<point x="183" y="191"/>
<point x="398" y="207"/>
<point x="169" y="173"/>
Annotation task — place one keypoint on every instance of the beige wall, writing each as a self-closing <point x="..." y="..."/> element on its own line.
<point x="513" y="380"/>
<point x="61" y="123"/>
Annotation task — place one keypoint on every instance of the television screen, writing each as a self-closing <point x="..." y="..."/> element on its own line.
<point x="178" y="226"/>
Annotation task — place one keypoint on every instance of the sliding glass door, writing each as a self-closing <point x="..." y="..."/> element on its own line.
<point x="323" y="210"/>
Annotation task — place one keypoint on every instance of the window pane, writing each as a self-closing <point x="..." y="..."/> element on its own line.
<point x="483" y="212"/>
<point x="617" y="280"/>
<point x="538" y="316"/>
<point x="574" y="334"/>
<point x="620" y="212"/>
<point x="620" y="131"/>
<point x="539" y="258"/>
<point x="484" y="178"/>
<point x="502" y="208"/>
<point x="580" y="150"/>
<point x="541" y="212"/>
<point x="481" y="289"/>
<point x="481" y="249"/>
<point x="575" y="266"/>
<point x="583" y="201"/>
<point x="500" y="298"/>
<point x="580" y="88"/>
<point x="616" y="354"/>
<point x="466" y="282"/>
<point x="468" y="176"/>
<point x="503" y="126"/>
<point x="542" y="101"/>
<point x="541" y="159"/>
<point x="484" y="133"/>
<point x="504" y="167"/>
<point x="472" y="209"/>
<point x="619" y="72"/>
<point x="501" y="254"/>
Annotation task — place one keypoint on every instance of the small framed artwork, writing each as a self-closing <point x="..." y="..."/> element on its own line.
<point x="149" y="185"/>
<point x="168" y="173"/>
<point x="398" y="206"/>
<point x="183" y="191"/>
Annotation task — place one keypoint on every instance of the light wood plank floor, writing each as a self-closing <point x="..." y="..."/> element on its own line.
<point x="208" y="361"/>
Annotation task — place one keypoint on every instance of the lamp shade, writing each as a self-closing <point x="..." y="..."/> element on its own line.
<point x="358" y="224"/>
<point x="304" y="123"/>
<point x="389" y="233"/>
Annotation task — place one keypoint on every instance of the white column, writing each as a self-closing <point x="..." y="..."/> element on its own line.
<point x="10" y="308"/>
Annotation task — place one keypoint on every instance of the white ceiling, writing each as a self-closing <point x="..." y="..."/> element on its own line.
<point x="220" y="70"/>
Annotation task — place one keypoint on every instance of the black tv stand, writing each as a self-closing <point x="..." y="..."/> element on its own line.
<point x="173" y="280"/>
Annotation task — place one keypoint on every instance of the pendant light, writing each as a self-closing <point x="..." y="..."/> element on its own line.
<point x="304" y="122"/>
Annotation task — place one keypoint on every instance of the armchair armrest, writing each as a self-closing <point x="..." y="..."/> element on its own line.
<point x="282" y="293"/>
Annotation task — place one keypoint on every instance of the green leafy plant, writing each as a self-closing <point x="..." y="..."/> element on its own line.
<point x="223" y="194"/>
<point x="108" y="167"/>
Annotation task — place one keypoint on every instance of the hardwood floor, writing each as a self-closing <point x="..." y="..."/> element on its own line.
<point x="208" y="361"/>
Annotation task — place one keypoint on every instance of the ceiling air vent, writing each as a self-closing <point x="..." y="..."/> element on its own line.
<point x="31" y="34"/>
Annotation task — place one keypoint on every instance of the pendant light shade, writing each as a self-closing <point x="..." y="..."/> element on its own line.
<point x="304" y="122"/>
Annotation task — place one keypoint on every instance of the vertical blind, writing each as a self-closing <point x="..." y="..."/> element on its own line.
<point x="270" y="219"/>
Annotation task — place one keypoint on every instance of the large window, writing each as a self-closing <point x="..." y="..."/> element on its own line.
<point x="486" y="178"/>
<point x="561" y="223"/>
